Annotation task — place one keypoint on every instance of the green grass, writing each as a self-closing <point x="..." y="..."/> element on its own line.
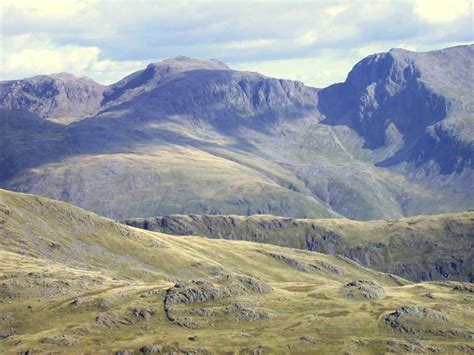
<point x="415" y="248"/>
<point x="53" y="253"/>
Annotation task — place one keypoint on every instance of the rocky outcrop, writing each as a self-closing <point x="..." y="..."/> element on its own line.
<point x="201" y="290"/>
<point x="244" y="313"/>
<point x="291" y="262"/>
<point x="419" y="319"/>
<point x="363" y="289"/>
<point x="224" y="286"/>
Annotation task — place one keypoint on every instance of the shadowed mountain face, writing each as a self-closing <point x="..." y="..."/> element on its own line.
<point x="422" y="99"/>
<point x="193" y="136"/>
<point x="58" y="97"/>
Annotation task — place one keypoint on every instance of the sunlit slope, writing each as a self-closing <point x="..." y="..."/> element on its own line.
<point x="72" y="281"/>
<point x="418" y="248"/>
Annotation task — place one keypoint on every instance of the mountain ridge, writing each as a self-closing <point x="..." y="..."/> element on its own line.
<point x="421" y="248"/>
<point x="273" y="146"/>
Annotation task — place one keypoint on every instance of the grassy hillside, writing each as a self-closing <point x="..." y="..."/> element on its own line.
<point x="417" y="248"/>
<point x="72" y="281"/>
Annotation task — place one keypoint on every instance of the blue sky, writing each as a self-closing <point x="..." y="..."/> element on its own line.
<point x="316" y="42"/>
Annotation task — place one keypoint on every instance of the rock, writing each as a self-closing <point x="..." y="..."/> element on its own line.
<point x="59" y="340"/>
<point x="124" y="352"/>
<point x="150" y="349"/>
<point x="463" y="287"/>
<point x="291" y="262"/>
<point x="327" y="267"/>
<point x="109" y="319"/>
<point x="143" y="313"/>
<point x="200" y="290"/>
<point x="363" y="289"/>
<point x="307" y="340"/>
<point x="245" y="313"/>
<point x="104" y="304"/>
<point x="77" y="301"/>
<point x="414" y="319"/>
<point x="4" y="335"/>
<point x="465" y="348"/>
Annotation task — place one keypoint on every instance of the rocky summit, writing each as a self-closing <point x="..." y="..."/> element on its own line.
<point x="194" y="136"/>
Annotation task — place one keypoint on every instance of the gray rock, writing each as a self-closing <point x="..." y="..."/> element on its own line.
<point x="246" y="313"/>
<point x="59" y="340"/>
<point x="104" y="304"/>
<point x="144" y="313"/>
<point x="77" y="301"/>
<point x="363" y="289"/>
<point x="4" y="335"/>
<point x="409" y="319"/>
<point x="151" y="349"/>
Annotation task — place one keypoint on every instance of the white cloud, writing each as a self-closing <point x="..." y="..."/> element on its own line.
<point x="318" y="71"/>
<point x="28" y="56"/>
<point x="47" y="8"/>
<point x="256" y="43"/>
<point x="31" y="61"/>
<point x="109" y="39"/>
<point x="442" y="11"/>
<point x="308" y="38"/>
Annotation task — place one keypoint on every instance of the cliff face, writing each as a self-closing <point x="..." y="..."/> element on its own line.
<point x="420" y="248"/>
<point x="421" y="98"/>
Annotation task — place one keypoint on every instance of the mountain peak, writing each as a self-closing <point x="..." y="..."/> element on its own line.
<point x="156" y="74"/>
<point x="61" y="97"/>
<point x="183" y="63"/>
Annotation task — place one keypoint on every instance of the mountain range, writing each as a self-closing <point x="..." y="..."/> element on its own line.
<point x="194" y="136"/>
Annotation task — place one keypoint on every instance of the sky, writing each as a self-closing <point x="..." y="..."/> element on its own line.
<point x="316" y="42"/>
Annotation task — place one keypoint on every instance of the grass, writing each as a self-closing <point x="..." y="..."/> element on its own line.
<point x="53" y="253"/>
<point x="418" y="248"/>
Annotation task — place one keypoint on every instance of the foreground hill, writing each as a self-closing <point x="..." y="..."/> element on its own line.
<point x="194" y="136"/>
<point x="419" y="248"/>
<point x="72" y="281"/>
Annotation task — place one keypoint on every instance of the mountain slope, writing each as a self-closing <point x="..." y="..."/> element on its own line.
<point x="74" y="281"/>
<point x="392" y="141"/>
<point x="419" y="248"/>
<point x="58" y="97"/>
